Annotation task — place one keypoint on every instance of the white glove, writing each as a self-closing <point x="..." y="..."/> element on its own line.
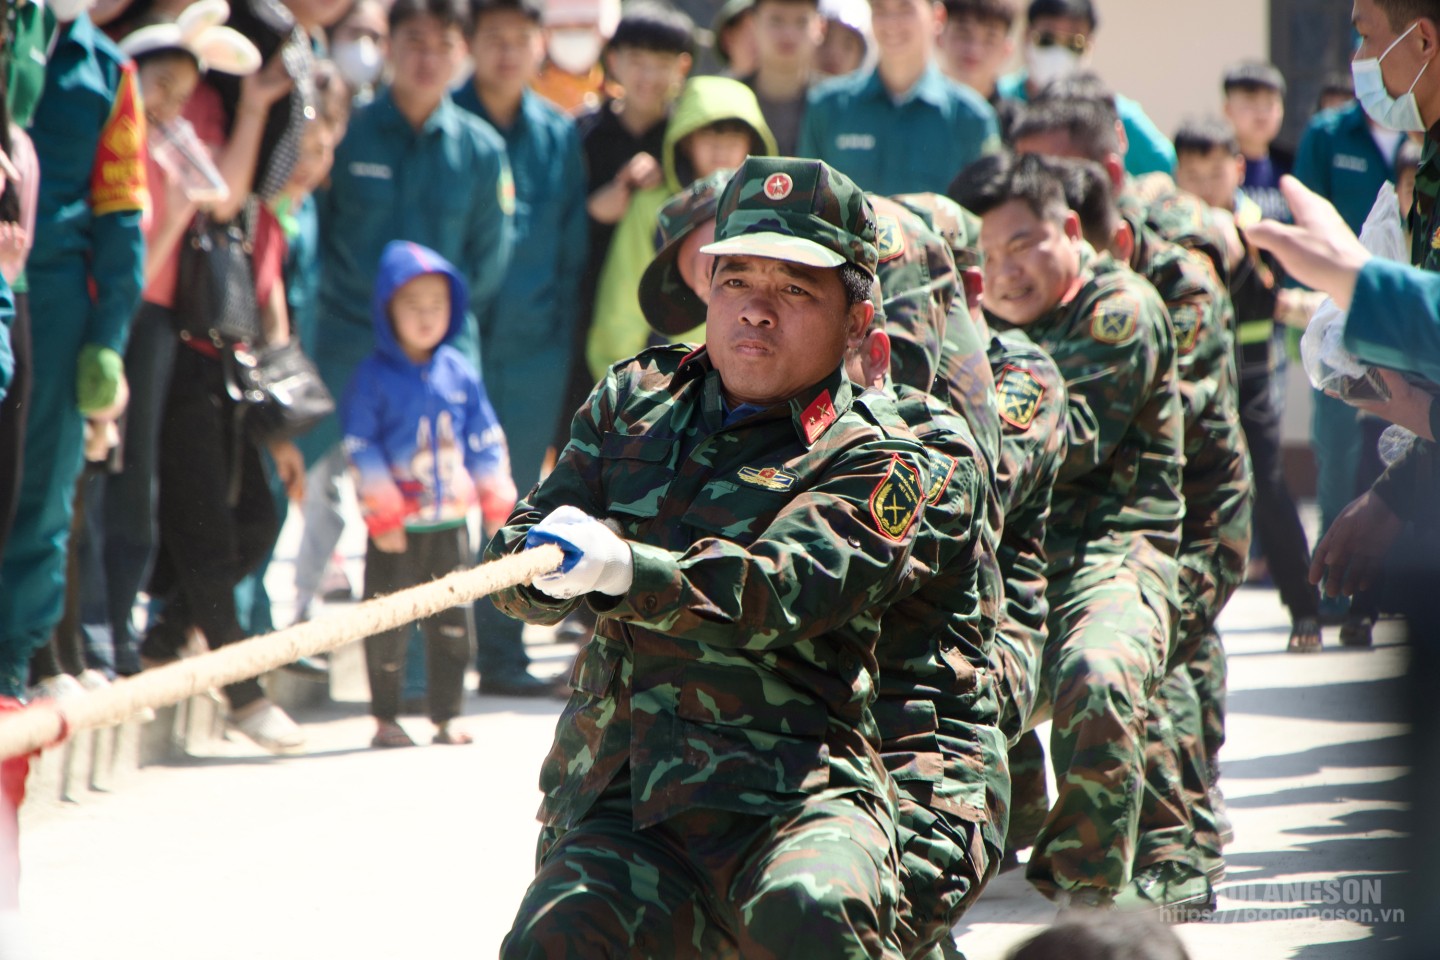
<point x="596" y="560"/>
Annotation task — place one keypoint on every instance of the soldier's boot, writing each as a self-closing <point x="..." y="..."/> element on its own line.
<point x="1177" y="892"/>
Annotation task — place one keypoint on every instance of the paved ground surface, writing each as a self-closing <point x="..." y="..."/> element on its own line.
<point x="358" y="854"/>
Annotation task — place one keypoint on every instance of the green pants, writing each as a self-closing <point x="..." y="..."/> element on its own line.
<point x="821" y="882"/>
<point x="1109" y="641"/>
<point x="944" y="865"/>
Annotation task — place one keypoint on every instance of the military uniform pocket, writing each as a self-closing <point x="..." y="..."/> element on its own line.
<point x="637" y="473"/>
<point x="739" y="757"/>
<point x="910" y="743"/>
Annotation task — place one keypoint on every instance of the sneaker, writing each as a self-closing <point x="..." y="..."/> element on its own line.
<point x="1358" y="632"/>
<point x="1178" y="892"/>
<point x="270" y="727"/>
<point x="58" y="687"/>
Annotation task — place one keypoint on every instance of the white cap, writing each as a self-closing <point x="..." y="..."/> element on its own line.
<point x="200" y="31"/>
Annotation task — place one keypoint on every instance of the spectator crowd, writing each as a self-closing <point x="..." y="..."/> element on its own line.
<point x="459" y="216"/>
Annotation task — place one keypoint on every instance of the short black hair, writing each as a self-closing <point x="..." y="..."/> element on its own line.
<point x="1253" y="76"/>
<point x="1205" y="135"/>
<point x="1080" y="9"/>
<point x="450" y="13"/>
<point x="1401" y="13"/>
<point x="655" y="27"/>
<point x="1088" y="123"/>
<point x="530" y="9"/>
<point x="1002" y="12"/>
<point x="994" y="181"/>
<point x="1089" y="193"/>
<point x="857" y="284"/>
<point x="1085" y="85"/>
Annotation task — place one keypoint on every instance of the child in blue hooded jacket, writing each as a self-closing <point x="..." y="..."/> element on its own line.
<point x="425" y="448"/>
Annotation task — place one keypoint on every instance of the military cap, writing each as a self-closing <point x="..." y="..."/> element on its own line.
<point x="959" y="227"/>
<point x="800" y="211"/>
<point x="669" y="305"/>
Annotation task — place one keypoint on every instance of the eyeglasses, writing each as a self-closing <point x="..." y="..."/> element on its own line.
<point x="1077" y="43"/>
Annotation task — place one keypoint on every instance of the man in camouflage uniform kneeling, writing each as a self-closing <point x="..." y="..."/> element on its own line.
<point x="732" y="515"/>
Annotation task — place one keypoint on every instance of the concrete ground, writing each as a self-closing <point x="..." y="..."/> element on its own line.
<point x="359" y="854"/>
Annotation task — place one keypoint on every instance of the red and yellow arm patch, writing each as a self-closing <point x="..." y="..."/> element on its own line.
<point x="896" y="500"/>
<point x="117" y="181"/>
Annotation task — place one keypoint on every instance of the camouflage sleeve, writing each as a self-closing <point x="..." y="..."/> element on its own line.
<point x="1108" y="369"/>
<point x="821" y="562"/>
<point x="574" y="481"/>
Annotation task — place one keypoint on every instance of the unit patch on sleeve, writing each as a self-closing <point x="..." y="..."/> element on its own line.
<point x="1186" y="317"/>
<point x="896" y="500"/>
<point x="889" y="239"/>
<point x="1019" y="394"/>
<point x="1115" y="319"/>
<point x="943" y="466"/>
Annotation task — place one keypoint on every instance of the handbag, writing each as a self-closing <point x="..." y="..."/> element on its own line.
<point x="215" y="293"/>
<point x="278" y="390"/>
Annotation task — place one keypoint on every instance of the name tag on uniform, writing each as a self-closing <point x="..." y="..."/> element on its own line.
<point x="855" y="141"/>
<point x="1343" y="161"/>
<point x="373" y="171"/>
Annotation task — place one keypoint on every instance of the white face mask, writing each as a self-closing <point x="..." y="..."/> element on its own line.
<point x="68" y="10"/>
<point x="1393" y="113"/>
<point x="358" y="62"/>
<point x="575" y="51"/>
<point x="1048" y="64"/>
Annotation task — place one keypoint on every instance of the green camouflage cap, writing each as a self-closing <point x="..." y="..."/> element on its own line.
<point x="669" y="305"/>
<point x="959" y="227"/>
<point x="800" y="211"/>
<point x="918" y="275"/>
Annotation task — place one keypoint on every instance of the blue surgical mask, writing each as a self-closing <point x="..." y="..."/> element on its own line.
<point x="1395" y="113"/>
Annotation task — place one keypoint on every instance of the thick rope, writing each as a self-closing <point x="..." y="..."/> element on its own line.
<point x="48" y="722"/>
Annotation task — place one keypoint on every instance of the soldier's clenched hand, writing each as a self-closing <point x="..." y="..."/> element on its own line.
<point x="595" y="558"/>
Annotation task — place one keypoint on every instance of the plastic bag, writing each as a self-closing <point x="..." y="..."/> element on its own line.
<point x="1322" y="348"/>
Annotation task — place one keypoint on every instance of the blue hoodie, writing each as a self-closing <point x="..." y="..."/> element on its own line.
<point x="422" y="438"/>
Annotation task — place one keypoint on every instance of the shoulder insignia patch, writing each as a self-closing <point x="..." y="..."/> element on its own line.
<point x="768" y="478"/>
<point x="943" y="466"/>
<point x="1019" y="394"/>
<point x="1115" y="319"/>
<point x="1186" y="317"/>
<point x="818" y="416"/>
<point x="889" y="238"/>
<point x="896" y="500"/>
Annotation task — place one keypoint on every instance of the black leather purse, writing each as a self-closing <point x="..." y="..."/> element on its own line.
<point x="280" y="390"/>
<point x="215" y="295"/>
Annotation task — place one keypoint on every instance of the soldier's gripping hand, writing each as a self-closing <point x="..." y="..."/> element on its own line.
<point x="595" y="558"/>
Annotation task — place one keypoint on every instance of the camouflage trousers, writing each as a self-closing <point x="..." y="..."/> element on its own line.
<point x="1109" y="640"/>
<point x="1015" y="665"/>
<point x="1029" y="793"/>
<point x="944" y="864"/>
<point x="821" y="882"/>
<point x="1177" y="821"/>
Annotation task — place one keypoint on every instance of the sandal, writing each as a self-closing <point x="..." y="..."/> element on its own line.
<point x="451" y="738"/>
<point x="1305" y="636"/>
<point x="391" y="735"/>
<point x="1358" y="632"/>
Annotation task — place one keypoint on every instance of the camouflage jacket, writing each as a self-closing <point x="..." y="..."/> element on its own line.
<point x="1179" y="217"/>
<point x="1215" y="535"/>
<point x="1118" y="493"/>
<point x="738" y="671"/>
<point x="1032" y="448"/>
<point x="936" y="707"/>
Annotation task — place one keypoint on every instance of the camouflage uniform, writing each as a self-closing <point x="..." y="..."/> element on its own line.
<point x="936" y="705"/>
<point x="1178" y="824"/>
<point x="1111" y="549"/>
<point x="714" y="787"/>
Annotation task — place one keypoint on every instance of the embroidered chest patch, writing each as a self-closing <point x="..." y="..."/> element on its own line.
<point x="768" y="478"/>
<point x="896" y="499"/>
<point x="1019" y="394"/>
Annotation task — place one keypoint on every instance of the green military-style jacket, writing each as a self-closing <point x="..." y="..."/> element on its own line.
<point x="1215" y="536"/>
<point x="1118" y="493"/>
<point x="738" y="671"/>
<point x="1032" y="398"/>
<point x="937" y="706"/>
